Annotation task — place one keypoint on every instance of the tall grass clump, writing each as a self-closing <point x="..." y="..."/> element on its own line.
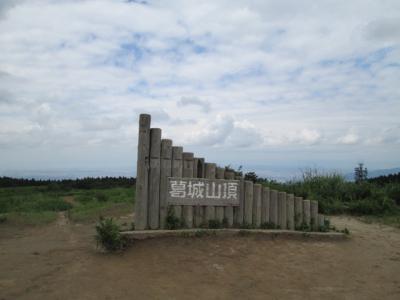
<point x="108" y="235"/>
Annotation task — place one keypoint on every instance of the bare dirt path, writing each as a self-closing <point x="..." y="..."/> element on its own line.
<point x="60" y="261"/>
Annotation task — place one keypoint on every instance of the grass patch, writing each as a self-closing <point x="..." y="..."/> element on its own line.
<point x="29" y="218"/>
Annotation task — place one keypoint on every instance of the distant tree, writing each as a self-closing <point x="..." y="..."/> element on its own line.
<point x="360" y="173"/>
<point x="252" y="176"/>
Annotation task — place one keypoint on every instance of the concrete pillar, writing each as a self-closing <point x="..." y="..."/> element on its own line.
<point x="165" y="172"/>
<point x="228" y="210"/>
<point x="321" y="221"/>
<point x="187" y="172"/>
<point x="265" y="205"/>
<point x="238" y="211"/>
<point x="257" y="188"/>
<point x="142" y="172"/>
<point x="195" y="167"/>
<point x="298" y="211"/>
<point x="201" y="168"/>
<point x="290" y="211"/>
<point x="306" y="213"/>
<point x="282" y="215"/>
<point x="199" y="210"/>
<point x="177" y="172"/>
<point x="314" y="215"/>
<point x="219" y="210"/>
<point x="273" y="207"/>
<point x="209" y="212"/>
<point x="248" y="202"/>
<point x="154" y="179"/>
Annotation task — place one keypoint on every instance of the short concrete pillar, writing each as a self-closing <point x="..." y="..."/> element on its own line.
<point x="248" y="202"/>
<point x="314" y="215"/>
<point x="298" y="212"/>
<point x="154" y="178"/>
<point x="177" y="172"/>
<point x="273" y="207"/>
<point x="165" y="172"/>
<point x="142" y="172"/>
<point x="290" y="211"/>
<point x="210" y="170"/>
<point x="282" y="214"/>
<point x="306" y="213"/>
<point x="265" y="205"/>
<point x="238" y="211"/>
<point x="257" y="188"/>
<point x="187" y="172"/>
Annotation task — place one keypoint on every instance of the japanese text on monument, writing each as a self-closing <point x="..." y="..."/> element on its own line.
<point x="196" y="191"/>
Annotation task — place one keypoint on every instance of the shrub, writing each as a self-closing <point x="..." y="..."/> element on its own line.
<point x="214" y="224"/>
<point x="101" y="197"/>
<point x="268" y="225"/>
<point x="108" y="235"/>
<point x="172" y="222"/>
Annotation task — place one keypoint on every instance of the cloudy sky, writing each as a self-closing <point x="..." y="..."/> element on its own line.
<point x="271" y="85"/>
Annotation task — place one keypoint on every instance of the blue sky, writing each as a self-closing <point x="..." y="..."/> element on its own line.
<point x="274" y="86"/>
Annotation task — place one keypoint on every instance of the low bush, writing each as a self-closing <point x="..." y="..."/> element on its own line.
<point x="108" y="235"/>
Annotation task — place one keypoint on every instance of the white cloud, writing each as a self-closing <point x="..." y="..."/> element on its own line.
<point x="232" y="75"/>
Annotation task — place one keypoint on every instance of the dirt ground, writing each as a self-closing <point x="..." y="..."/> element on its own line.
<point x="60" y="261"/>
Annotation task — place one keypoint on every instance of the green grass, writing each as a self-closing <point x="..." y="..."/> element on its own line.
<point x="39" y="205"/>
<point x="391" y="220"/>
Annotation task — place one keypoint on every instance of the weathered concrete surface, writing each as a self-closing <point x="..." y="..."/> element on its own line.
<point x="165" y="172"/>
<point x="306" y="212"/>
<point x="177" y="172"/>
<point x="143" y="166"/>
<point x="228" y="210"/>
<point x="219" y="210"/>
<point x="314" y="215"/>
<point x="273" y="207"/>
<point x="257" y="188"/>
<point x="282" y="214"/>
<point x="298" y="211"/>
<point x="248" y="202"/>
<point x="321" y="220"/>
<point x="209" y="211"/>
<point x="154" y="179"/>
<point x="265" y="205"/>
<point x="290" y="211"/>
<point x="187" y="172"/>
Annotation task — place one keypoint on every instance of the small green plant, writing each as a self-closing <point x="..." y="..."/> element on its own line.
<point x="214" y="224"/>
<point x="303" y="227"/>
<point x="246" y="226"/>
<point x="132" y="226"/>
<point x="172" y="222"/>
<point x="225" y="223"/>
<point x="108" y="235"/>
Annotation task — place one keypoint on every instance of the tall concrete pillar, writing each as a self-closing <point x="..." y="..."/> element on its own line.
<point x="142" y="172"/>
<point x="282" y="217"/>
<point x="219" y="210"/>
<point x="306" y="213"/>
<point x="265" y="205"/>
<point x="273" y="207"/>
<point x="290" y="211"/>
<point x="210" y="169"/>
<point x="177" y="172"/>
<point x="314" y="215"/>
<point x="298" y="211"/>
<point x="154" y="178"/>
<point x="187" y="172"/>
<point x="199" y="211"/>
<point x="248" y="202"/>
<point x="257" y="205"/>
<point x="165" y="172"/>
